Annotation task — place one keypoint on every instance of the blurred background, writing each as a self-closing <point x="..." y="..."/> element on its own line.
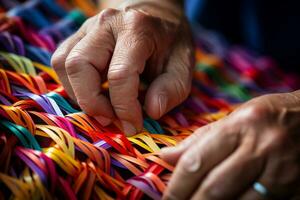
<point x="268" y="27"/>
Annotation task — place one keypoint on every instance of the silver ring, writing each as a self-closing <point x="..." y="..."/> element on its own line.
<point x="260" y="189"/>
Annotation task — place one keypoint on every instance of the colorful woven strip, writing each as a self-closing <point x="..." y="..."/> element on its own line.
<point x="49" y="149"/>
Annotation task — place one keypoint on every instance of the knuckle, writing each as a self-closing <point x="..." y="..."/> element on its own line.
<point x="121" y="108"/>
<point x="140" y="29"/>
<point x="253" y="113"/>
<point x="189" y="163"/>
<point x="73" y="62"/>
<point x="106" y="14"/>
<point x="142" y="25"/>
<point x="274" y="140"/>
<point x="135" y="18"/>
<point x="279" y="138"/>
<point x="117" y="73"/>
<point x="212" y="192"/>
<point x="58" y="60"/>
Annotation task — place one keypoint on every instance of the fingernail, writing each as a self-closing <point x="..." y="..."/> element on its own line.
<point x="128" y="128"/>
<point x="103" y="120"/>
<point x="192" y="163"/>
<point x="162" y="100"/>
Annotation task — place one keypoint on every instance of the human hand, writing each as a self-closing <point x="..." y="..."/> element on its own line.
<point x="259" y="142"/>
<point x="119" y="46"/>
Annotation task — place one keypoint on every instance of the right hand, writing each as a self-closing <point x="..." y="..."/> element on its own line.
<point x="119" y="46"/>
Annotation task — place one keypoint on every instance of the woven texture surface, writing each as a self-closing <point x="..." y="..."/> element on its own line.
<point x="50" y="149"/>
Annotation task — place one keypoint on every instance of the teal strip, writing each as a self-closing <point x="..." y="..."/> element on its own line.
<point x="25" y="137"/>
<point x="61" y="102"/>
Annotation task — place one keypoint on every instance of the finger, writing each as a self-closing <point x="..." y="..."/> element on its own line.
<point x="280" y="178"/>
<point x="251" y="194"/>
<point x="260" y="190"/>
<point x="60" y="55"/>
<point x="127" y="64"/>
<point x="84" y="65"/>
<point x="59" y="58"/>
<point x="172" y="154"/>
<point x="195" y="163"/>
<point x="173" y="86"/>
<point x="233" y="176"/>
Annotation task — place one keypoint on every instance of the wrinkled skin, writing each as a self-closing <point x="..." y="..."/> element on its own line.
<point x="259" y="142"/>
<point x="120" y="45"/>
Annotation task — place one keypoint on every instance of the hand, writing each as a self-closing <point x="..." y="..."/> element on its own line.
<point x="259" y="142"/>
<point x="119" y="46"/>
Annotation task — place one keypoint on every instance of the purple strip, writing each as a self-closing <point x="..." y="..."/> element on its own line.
<point x="102" y="144"/>
<point x="19" y="45"/>
<point x="54" y="106"/>
<point x="6" y="41"/>
<point x="82" y="138"/>
<point x="146" y="179"/>
<point x="117" y="164"/>
<point x="112" y="172"/>
<point x="32" y="166"/>
<point x="196" y="105"/>
<point x="4" y="101"/>
<point x="181" y="119"/>
<point x="145" y="188"/>
<point x="48" y="103"/>
<point x="38" y="99"/>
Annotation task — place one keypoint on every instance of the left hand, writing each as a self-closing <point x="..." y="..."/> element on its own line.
<point x="259" y="142"/>
<point x="141" y="38"/>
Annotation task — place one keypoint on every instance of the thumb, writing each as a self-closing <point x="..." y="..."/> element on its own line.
<point x="173" y="86"/>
